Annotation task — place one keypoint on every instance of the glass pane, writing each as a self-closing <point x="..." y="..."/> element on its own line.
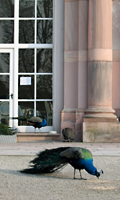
<point x="45" y="108"/>
<point x="4" y="62"/>
<point x="44" y="87"/>
<point x="26" y="8"/>
<point x="26" y="87"/>
<point x="25" y="109"/>
<point x="44" y="60"/>
<point x="4" y="112"/>
<point x="4" y="86"/>
<point x="45" y="8"/>
<point x="6" y="8"/>
<point x="6" y="31"/>
<point x="26" y="31"/>
<point x="44" y="31"/>
<point x="26" y="60"/>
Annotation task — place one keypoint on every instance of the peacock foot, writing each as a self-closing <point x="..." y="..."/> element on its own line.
<point x="80" y="178"/>
<point x="83" y="179"/>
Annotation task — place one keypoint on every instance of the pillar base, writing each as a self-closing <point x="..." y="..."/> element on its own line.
<point x="100" y="114"/>
<point x="99" y="125"/>
<point x="101" y="132"/>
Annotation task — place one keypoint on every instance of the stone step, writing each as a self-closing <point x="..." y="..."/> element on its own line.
<point x="30" y="137"/>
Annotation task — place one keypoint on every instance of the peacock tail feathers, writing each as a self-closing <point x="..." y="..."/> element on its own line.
<point x="47" y="161"/>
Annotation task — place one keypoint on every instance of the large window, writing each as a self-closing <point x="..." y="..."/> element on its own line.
<point x="27" y="25"/>
<point x="35" y="64"/>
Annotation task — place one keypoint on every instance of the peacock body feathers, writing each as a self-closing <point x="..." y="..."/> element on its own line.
<point x="36" y="122"/>
<point x="51" y="160"/>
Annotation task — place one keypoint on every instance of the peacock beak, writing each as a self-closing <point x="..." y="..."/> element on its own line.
<point x="98" y="173"/>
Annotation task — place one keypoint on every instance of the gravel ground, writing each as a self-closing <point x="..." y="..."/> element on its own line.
<point x="59" y="185"/>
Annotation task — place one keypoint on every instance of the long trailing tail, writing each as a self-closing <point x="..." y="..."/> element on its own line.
<point x="47" y="161"/>
<point x="23" y="118"/>
<point x="20" y="118"/>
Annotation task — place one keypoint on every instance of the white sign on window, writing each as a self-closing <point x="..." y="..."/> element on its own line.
<point x="25" y="80"/>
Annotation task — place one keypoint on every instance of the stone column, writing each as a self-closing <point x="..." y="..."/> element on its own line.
<point x="99" y="117"/>
<point x="100" y="60"/>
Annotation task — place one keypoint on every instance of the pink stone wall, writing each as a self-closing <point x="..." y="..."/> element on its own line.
<point x="116" y="56"/>
<point x="75" y="65"/>
<point x="75" y="54"/>
<point x="82" y="54"/>
<point x="71" y="55"/>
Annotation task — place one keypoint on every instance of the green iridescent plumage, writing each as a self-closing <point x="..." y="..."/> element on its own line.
<point x="87" y="154"/>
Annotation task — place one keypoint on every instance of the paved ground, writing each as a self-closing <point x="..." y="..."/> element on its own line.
<point x="34" y="147"/>
<point x="59" y="185"/>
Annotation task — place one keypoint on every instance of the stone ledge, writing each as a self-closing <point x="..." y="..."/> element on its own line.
<point x="101" y="119"/>
<point x="29" y="137"/>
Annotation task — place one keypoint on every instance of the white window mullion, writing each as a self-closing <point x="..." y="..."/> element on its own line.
<point x="35" y="21"/>
<point x="16" y="38"/>
<point x="39" y="46"/>
<point x="35" y="51"/>
<point x="35" y="81"/>
<point x="11" y="88"/>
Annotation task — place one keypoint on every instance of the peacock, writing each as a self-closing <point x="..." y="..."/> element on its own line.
<point x="37" y="122"/>
<point x="51" y="160"/>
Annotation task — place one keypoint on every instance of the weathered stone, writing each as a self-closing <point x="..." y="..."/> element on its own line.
<point x="101" y="132"/>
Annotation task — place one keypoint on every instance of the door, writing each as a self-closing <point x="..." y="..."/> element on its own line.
<point x="6" y="86"/>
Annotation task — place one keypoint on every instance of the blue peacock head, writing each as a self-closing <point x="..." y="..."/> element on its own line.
<point x="91" y="169"/>
<point x="98" y="173"/>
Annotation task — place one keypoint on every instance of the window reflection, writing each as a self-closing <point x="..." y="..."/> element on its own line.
<point x="45" y="108"/>
<point x="6" y="31"/>
<point x="26" y="87"/>
<point x="44" y="87"/>
<point x="44" y="60"/>
<point x="25" y="109"/>
<point x="44" y="31"/>
<point x="26" y="60"/>
<point x="4" y="112"/>
<point x="4" y="62"/>
<point x="4" y="86"/>
<point x="45" y="8"/>
<point x="6" y="8"/>
<point x="26" y="8"/>
<point x="26" y="31"/>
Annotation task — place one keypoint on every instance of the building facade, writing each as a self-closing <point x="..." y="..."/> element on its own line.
<point x="61" y="59"/>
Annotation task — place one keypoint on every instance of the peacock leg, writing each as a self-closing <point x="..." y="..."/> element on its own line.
<point x="81" y="176"/>
<point x="39" y="130"/>
<point x="74" y="173"/>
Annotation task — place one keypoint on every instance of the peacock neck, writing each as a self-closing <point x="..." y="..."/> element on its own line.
<point x="89" y="167"/>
